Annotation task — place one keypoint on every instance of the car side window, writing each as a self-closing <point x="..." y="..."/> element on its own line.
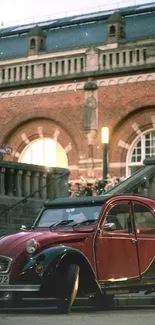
<point x="120" y="215"/>
<point x="144" y="219"/>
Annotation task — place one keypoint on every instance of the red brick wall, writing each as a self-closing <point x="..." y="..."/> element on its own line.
<point x="119" y="106"/>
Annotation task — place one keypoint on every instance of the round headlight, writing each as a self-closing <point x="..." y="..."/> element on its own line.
<point x="31" y="246"/>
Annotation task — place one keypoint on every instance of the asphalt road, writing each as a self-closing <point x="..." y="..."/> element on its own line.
<point x="145" y="316"/>
<point x="127" y="312"/>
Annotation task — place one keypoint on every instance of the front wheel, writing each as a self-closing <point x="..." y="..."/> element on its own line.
<point x="70" y="290"/>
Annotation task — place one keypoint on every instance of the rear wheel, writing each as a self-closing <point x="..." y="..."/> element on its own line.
<point x="70" y="289"/>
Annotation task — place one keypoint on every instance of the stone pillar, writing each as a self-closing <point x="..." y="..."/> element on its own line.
<point x="17" y="73"/>
<point x="91" y="141"/>
<point x="26" y="183"/>
<point x="53" y="69"/>
<point x="10" y="182"/>
<point x="91" y="121"/>
<point x="78" y="65"/>
<point x="18" y="183"/>
<point x="43" y="185"/>
<point x="72" y="66"/>
<point x="127" y="64"/>
<point x="66" y="66"/>
<point x="51" y="186"/>
<point x="92" y="59"/>
<point x="91" y="107"/>
<point x="2" y="181"/>
<point x="39" y="70"/>
<point x="35" y="184"/>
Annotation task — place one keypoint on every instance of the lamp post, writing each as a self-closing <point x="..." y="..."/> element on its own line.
<point x="105" y="141"/>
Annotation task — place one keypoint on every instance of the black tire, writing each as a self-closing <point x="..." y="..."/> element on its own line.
<point x="69" y="291"/>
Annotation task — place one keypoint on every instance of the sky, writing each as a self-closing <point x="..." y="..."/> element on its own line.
<point x="16" y="12"/>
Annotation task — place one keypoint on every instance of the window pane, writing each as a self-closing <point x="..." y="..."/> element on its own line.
<point x="144" y="219"/>
<point x="120" y="216"/>
<point x="45" y="152"/>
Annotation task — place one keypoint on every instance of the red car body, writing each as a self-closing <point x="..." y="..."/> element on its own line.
<point x="110" y="251"/>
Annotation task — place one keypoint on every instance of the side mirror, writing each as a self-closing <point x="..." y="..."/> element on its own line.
<point x="109" y="226"/>
<point x="23" y="228"/>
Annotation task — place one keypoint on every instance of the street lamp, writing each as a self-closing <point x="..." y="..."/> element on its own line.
<point x="105" y="141"/>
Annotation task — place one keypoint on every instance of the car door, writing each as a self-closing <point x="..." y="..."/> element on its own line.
<point x="116" y="250"/>
<point x="144" y="218"/>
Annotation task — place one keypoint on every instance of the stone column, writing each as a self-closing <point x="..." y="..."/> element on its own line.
<point x="51" y="186"/>
<point x="43" y="185"/>
<point x="72" y="66"/>
<point x="78" y="66"/>
<point x="35" y="184"/>
<point x="91" y="121"/>
<point x="91" y="107"/>
<point x="39" y="70"/>
<point x="27" y="183"/>
<point x="127" y="64"/>
<point x="18" y="183"/>
<point x="92" y="59"/>
<point x="53" y="69"/>
<point x="66" y="67"/>
<point x="91" y="141"/>
<point x="2" y="181"/>
<point x="10" y="182"/>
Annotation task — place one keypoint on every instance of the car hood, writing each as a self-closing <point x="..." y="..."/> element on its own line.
<point x="14" y="245"/>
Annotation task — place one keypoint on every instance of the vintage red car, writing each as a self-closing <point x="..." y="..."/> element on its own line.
<point x="91" y="246"/>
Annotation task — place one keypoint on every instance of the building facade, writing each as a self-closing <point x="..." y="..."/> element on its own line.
<point x="61" y="81"/>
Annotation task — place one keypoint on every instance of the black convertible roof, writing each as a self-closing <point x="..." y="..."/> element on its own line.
<point x="85" y="200"/>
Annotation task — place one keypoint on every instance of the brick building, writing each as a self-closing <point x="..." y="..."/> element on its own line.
<point x="62" y="80"/>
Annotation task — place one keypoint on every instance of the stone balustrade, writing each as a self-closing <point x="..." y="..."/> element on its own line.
<point x="21" y="180"/>
<point x="23" y="190"/>
<point x="87" y="62"/>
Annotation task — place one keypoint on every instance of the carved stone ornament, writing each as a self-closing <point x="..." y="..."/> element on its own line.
<point x="90" y="118"/>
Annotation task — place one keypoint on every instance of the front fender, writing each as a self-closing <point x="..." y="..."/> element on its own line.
<point x="55" y="260"/>
<point x="53" y="256"/>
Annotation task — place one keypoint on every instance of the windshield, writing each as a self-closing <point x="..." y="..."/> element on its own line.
<point x="69" y="216"/>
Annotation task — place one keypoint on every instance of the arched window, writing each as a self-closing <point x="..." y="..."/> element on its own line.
<point x="143" y="147"/>
<point x="45" y="152"/>
<point x="32" y="43"/>
<point x="112" y="31"/>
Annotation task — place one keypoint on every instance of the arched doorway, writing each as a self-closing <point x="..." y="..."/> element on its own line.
<point x="45" y="152"/>
<point x="143" y="147"/>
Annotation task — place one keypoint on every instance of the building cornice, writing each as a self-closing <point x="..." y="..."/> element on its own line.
<point x="75" y="86"/>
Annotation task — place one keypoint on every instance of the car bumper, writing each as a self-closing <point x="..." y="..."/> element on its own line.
<point x="20" y="287"/>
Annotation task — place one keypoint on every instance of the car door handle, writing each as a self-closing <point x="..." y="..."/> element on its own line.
<point x="134" y="240"/>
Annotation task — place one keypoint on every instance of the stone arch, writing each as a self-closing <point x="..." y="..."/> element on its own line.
<point x="130" y="80"/>
<point x="61" y="88"/>
<point x="38" y="152"/>
<point x="23" y="133"/>
<point x="70" y="87"/>
<point x="126" y="131"/>
<point x="112" y="82"/>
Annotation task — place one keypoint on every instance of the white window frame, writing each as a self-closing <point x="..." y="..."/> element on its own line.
<point x="129" y="164"/>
